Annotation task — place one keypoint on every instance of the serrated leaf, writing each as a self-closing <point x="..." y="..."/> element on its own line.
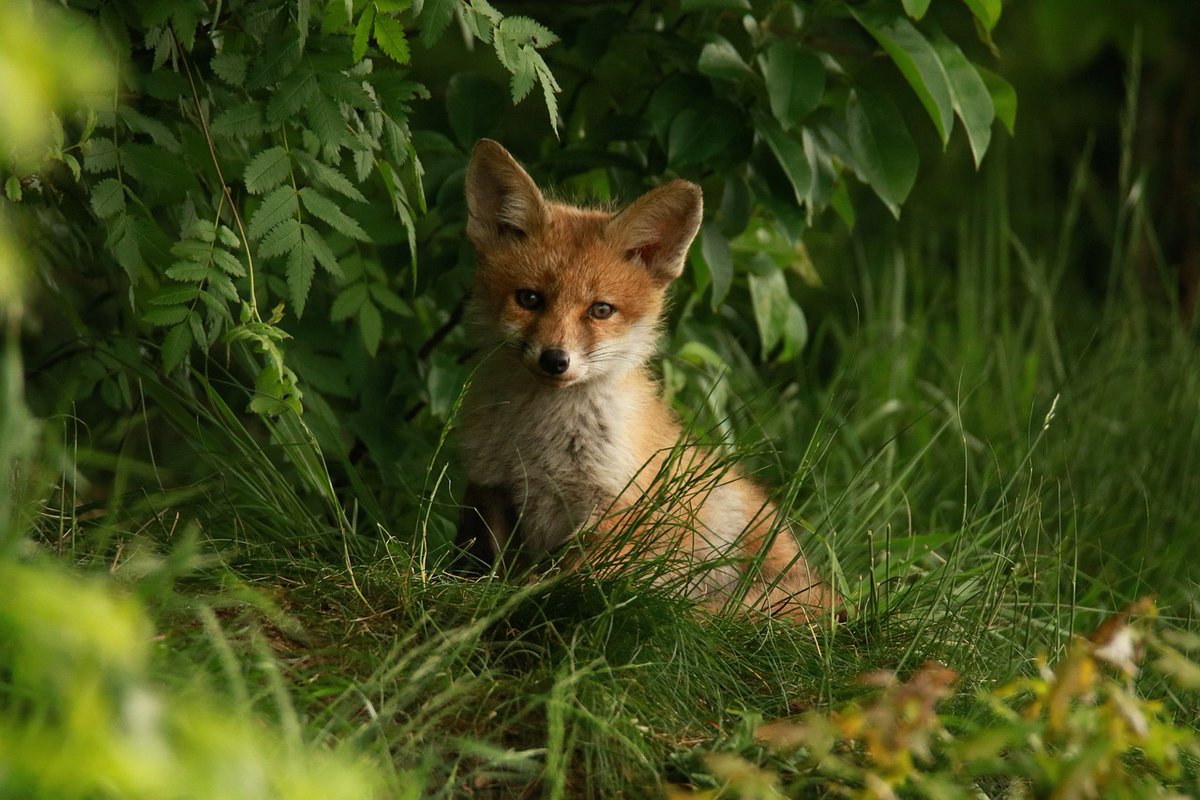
<point x="525" y="31"/>
<point x="346" y="89"/>
<point x="175" y="346"/>
<point x="918" y="62"/>
<point x="230" y="67"/>
<point x="197" y="325"/>
<point x="300" y="269"/>
<point x="100" y="155"/>
<point x="370" y="323"/>
<point x="276" y="207"/>
<point x="326" y="121"/>
<point x="322" y="252"/>
<point x="166" y="315"/>
<point x="190" y="271"/>
<point x="790" y="155"/>
<point x="175" y="295"/>
<point x="108" y="198"/>
<point x="795" y="81"/>
<point x="720" y="59"/>
<point x="883" y="148"/>
<point x="348" y="302"/>
<point x="524" y="74"/>
<point x="267" y="170"/>
<point x="330" y="177"/>
<point x="389" y="35"/>
<point x="362" y="33"/>
<point x="283" y="238"/>
<point x="434" y="16"/>
<point x="228" y="264"/>
<point x="275" y="64"/>
<point x="240" y="121"/>
<point x="156" y="130"/>
<point x="972" y="102"/>
<point x="331" y="213"/>
<point x="293" y="93"/>
<point x="390" y="300"/>
<point x="549" y="88"/>
<point x="303" y="18"/>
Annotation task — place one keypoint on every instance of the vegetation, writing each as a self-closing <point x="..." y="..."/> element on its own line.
<point x="231" y="273"/>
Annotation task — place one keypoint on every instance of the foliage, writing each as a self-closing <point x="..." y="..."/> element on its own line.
<point x="1078" y="729"/>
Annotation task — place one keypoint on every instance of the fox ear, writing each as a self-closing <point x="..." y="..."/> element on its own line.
<point x="658" y="228"/>
<point x="502" y="200"/>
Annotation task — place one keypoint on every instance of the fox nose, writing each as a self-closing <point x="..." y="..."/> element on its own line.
<point x="554" y="362"/>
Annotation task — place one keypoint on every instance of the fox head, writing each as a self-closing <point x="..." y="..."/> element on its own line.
<point x="574" y="294"/>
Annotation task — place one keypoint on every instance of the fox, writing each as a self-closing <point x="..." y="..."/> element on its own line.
<point x="567" y="444"/>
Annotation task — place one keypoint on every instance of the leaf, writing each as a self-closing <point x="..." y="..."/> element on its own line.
<point x="348" y="302"/>
<point x="283" y="238"/>
<point x="175" y="346"/>
<point x="390" y="300"/>
<point x="698" y="134"/>
<point x="267" y="170"/>
<point x="156" y="130"/>
<point x="329" y="177"/>
<point x="434" y="17"/>
<point x="986" y="11"/>
<point x="108" y="198"/>
<point x="192" y="271"/>
<point x="882" y="146"/>
<point x="524" y="75"/>
<point x="972" y="102"/>
<point x="100" y="155"/>
<point x="154" y="166"/>
<point x="719" y="258"/>
<point x="300" y="269"/>
<point x="329" y="211"/>
<point x="1004" y="97"/>
<point x="275" y="207"/>
<point x="230" y="67"/>
<point x="228" y="264"/>
<point x="916" y="8"/>
<point x="175" y="295"/>
<point x="795" y="81"/>
<point x="550" y="87"/>
<point x="720" y="59"/>
<point x="277" y="63"/>
<point x="699" y="5"/>
<point x="525" y="31"/>
<point x="166" y="315"/>
<point x="769" y="298"/>
<point x="790" y="155"/>
<point x="293" y="93"/>
<point x="474" y="105"/>
<point x="240" y="121"/>
<point x="370" y="324"/>
<point x="918" y="62"/>
<point x="362" y="33"/>
<point x="321" y="251"/>
<point x="13" y="191"/>
<point x="389" y="35"/>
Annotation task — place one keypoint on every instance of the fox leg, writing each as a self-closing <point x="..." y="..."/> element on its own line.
<point x="484" y="529"/>
<point x="786" y="585"/>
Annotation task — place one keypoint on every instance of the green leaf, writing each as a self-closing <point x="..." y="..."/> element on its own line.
<point x="389" y="35"/>
<point x="175" y="346"/>
<point x="293" y="94"/>
<point x="230" y="67"/>
<point x="227" y="263"/>
<point x="918" y="62"/>
<point x="166" y="315"/>
<point x="362" y="33"/>
<point x="882" y="146"/>
<point x="370" y="323"/>
<point x="390" y="300"/>
<point x="474" y="105"/>
<point x="275" y="207"/>
<point x="240" y="121"/>
<point x="300" y="269"/>
<point x="916" y="8"/>
<point x="700" y="5"/>
<point x="550" y="87"/>
<point x="175" y="295"/>
<point x="100" y="155"/>
<point x="790" y="155"/>
<point x="434" y="17"/>
<point x="329" y="177"/>
<point x="719" y="258"/>
<point x="795" y="81"/>
<point x="780" y="321"/>
<point x="698" y="134"/>
<point x="348" y="302"/>
<point x="986" y="11"/>
<point x="720" y="59"/>
<point x="328" y="211"/>
<point x="1004" y="98"/>
<point x="267" y="170"/>
<point x="283" y="238"/>
<point x="524" y="31"/>
<point x="524" y="76"/>
<point x="156" y="130"/>
<point x="972" y="102"/>
<point x="13" y="191"/>
<point x="276" y="63"/>
<point x="321" y="251"/>
<point x="191" y="271"/>
<point x="154" y="166"/>
<point x="108" y="198"/>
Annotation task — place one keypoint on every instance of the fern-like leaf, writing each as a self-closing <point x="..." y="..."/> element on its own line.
<point x="267" y="170"/>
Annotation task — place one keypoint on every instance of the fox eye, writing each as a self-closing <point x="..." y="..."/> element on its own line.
<point x="529" y="299"/>
<point x="601" y="311"/>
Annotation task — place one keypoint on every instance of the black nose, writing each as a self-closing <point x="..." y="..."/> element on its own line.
<point x="554" y="362"/>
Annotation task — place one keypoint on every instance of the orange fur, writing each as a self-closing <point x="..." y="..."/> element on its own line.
<point x="563" y="428"/>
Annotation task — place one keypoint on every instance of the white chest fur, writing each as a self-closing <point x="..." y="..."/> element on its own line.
<point x="562" y="454"/>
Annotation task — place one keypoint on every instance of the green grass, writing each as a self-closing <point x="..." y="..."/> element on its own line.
<point x="987" y="460"/>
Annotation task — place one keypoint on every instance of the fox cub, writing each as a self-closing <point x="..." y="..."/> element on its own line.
<point x="563" y="431"/>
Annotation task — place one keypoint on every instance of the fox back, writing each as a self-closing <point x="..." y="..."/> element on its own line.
<point x="563" y="429"/>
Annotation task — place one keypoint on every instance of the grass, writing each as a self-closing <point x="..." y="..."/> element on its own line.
<point x="987" y="462"/>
